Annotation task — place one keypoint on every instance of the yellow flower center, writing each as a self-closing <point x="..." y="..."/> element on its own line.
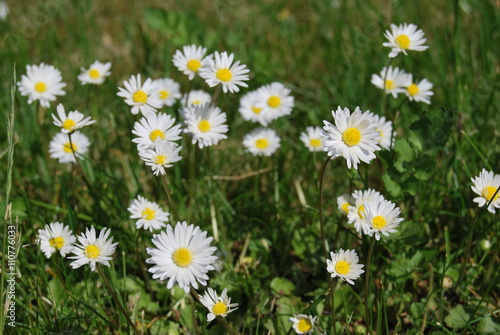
<point x="304" y="325"/>
<point x="69" y="148"/>
<point x="219" y="308"/>
<point x="155" y="134"/>
<point x="224" y="75"/>
<point x="194" y="65"/>
<point x="345" y="208"/>
<point x="94" y="74"/>
<point x="40" y="87"/>
<point x="160" y="159"/>
<point x="351" y="137"/>
<point x="274" y="101"/>
<point x="488" y="192"/>
<point x="381" y="134"/>
<point x="379" y="222"/>
<point x="56" y="242"/>
<point x="256" y="110"/>
<point x="140" y="96"/>
<point x="361" y="210"/>
<point x="148" y="214"/>
<point x="196" y="102"/>
<point x="262" y="143"/>
<point x="163" y="94"/>
<point x="314" y="142"/>
<point x="92" y="251"/>
<point x="390" y="85"/>
<point x="182" y="257"/>
<point x="413" y="90"/>
<point x="342" y="267"/>
<point x="68" y="124"/>
<point x="204" y="126"/>
<point x="403" y="41"/>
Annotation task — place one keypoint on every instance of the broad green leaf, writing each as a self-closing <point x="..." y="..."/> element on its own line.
<point x="281" y="286"/>
<point x="457" y="317"/>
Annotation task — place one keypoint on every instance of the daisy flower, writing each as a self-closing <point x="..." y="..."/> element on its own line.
<point x="217" y="305"/>
<point x="143" y="98"/>
<point x="420" y="92"/>
<point x="396" y="80"/>
<point x="404" y="37"/>
<point x="356" y="213"/>
<point x="206" y="125"/>
<point x="345" y="265"/>
<point x="223" y="71"/>
<point x="190" y="60"/>
<point x="149" y="214"/>
<point x="195" y="98"/>
<point x="96" y="74"/>
<point x="92" y="250"/>
<point x="41" y="82"/>
<point x="162" y="156"/>
<point x="61" y="149"/>
<point x="344" y="202"/>
<point x="154" y="127"/>
<point x="55" y="237"/>
<point x="381" y="217"/>
<point x="312" y="139"/>
<point x="249" y="110"/>
<point x="169" y="91"/>
<point x="262" y="142"/>
<point x="275" y="100"/>
<point x="75" y="120"/>
<point x="183" y="255"/>
<point x="302" y="323"/>
<point x="353" y="136"/>
<point x="385" y="130"/>
<point x="485" y="185"/>
<point x="4" y="10"/>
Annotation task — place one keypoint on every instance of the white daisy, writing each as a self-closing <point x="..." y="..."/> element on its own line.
<point x="183" y="255"/>
<point x="345" y="265"/>
<point x="420" y="92"/>
<point x="195" y="98"/>
<point x="302" y="323"/>
<point x="404" y="37"/>
<point x="223" y="71"/>
<point x="485" y="185"/>
<point x="55" y="237"/>
<point x="217" y="305"/>
<point x="353" y="136"/>
<point x="143" y="98"/>
<point x="96" y="74"/>
<point x="356" y="213"/>
<point x="396" y="80"/>
<point x="190" y="60"/>
<point x="249" y="110"/>
<point x="4" y="10"/>
<point x="381" y="217"/>
<point x="262" y="142"/>
<point x="154" y="127"/>
<point x="149" y="214"/>
<point x="41" y="82"/>
<point x="61" y="149"/>
<point x="344" y="202"/>
<point x="75" y="120"/>
<point x="206" y="125"/>
<point x="312" y="139"/>
<point x="162" y="156"/>
<point x="169" y="91"/>
<point x="92" y="250"/>
<point x="275" y="100"/>
<point x="385" y="130"/>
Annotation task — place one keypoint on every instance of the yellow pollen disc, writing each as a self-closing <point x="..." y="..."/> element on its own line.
<point x="361" y="210"/>
<point x="488" y="192"/>
<point x="274" y="102"/>
<point x="140" y="96"/>
<point x="219" y="308"/>
<point x="196" y="102"/>
<point x="381" y="134"/>
<point x="92" y="251"/>
<point x="351" y="137"/>
<point x="315" y="143"/>
<point x="182" y="257"/>
<point x="304" y="325"/>
<point x="413" y="90"/>
<point x="403" y="41"/>
<point x="204" y="126"/>
<point x="345" y="208"/>
<point x="56" y="242"/>
<point x="69" y="148"/>
<point x="194" y="65"/>
<point x="262" y="143"/>
<point x="40" y="87"/>
<point x="160" y="159"/>
<point x="68" y="124"/>
<point x="256" y="110"/>
<point x="390" y="85"/>
<point x="224" y="75"/>
<point x="94" y="74"/>
<point x="148" y="214"/>
<point x="379" y="222"/>
<point x="163" y="94"/>
<point x="342" y="267"/>
<point x="155" y="134"/>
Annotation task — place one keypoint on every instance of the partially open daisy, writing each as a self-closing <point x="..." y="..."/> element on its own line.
<point x="223" y="71"/>
<point x="143" y="97"/>
<point x="396" y="80"/>
<point x="56" y="237"/>
<point x="169" y="91"/>
<point x="41" y="82"/>
<point x="404" y="37"/>
<point x="345" y="265"/>
<point x="96" y="74"/>
<point x="148" y="214"/>
<point x="312" y="139"/>
<point x="162" y="156"/>
<point x="73" y="121"/>
<point x="61" y="149"/>
<point x="262" y="142"/>
<point x="249" y="110"/>
<point x="353" y="136"/>
<point x="344" y="202"/>
<point x="205" y="124"/>
<point x="195" y="98"/>
<point x="182" y="255"/>
<point x="190" y="60"/>
<point x="385" y="130"/>
<point x="154" y="127"/>
<point x="486" y="185"/>
<point x="302" y="323"/>
<point x="381" y="217"/>
<point x="275" y="100"/>
<point x="217" y="305"/>
<point x="92" y="249"/>
<point x="356" y="213"/>
<point x="420" y="91"/>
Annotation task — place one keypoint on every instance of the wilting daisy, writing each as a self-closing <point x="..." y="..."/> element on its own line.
<point x="195" y="98"/>
<point x="73" y="121"/>
<point x="149" y="214"/>
<point x="92" y="250"/>
<point x="55" y="237"/>
<point x="381" y="217"/>
<point x="356" y="213"/>
<point x="61" y="149"/>
<point x="96" y="74"/>
<point x="154" y="127"/>
<point x="312" y="139"/>
<point x="262" y="142"/>
<point x="404" y="37"/>
<point x="143" y="98"/>
<point x="275" y="100"/>
<point x="420" y="92"/>
<point x="182" y="255"/>
<point x="190" y="60"/>
<point x="217" y="305"/>
<point x="249" y="110"/>
<point x="162" y="156"/>
<point x="302" y="323"/>
<point x="396" y="80"/>
<point x="345" y="265"/>
<point x="344" y="202"/>
<point x="485" y="185"/>
<point x="206" y="125"/>
<point x="385" y="130"/>
<point x="223" y="71"/>
<point x="169" y="91"/>
<point x="41" y="82"/>
<point x="353" y="136"/>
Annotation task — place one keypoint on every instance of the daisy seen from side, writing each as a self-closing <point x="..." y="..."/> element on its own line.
<point x="190" y="60"/>
<point x="420" y="91"/>
<point x="403" y="38"/>
<point x="148" y="214"/>
<point x="195" y="98"/>
<point x="96" y="74"/>
<point x="143" y="97"/>
<point x="345" y="265"/>
<point x="56" y="237"/>
<point x="249" y="110"/>
<point x="224" y="71"/>
<point x="92" y="249"/>
<point x="153" y="127"/>
<point x="161" y="156"/>
<point x="262" y="142"/>
<point x="485" y="185"/>
<point x="206" y="125"/>
<point x="71" y="122"/>
<point x="381" y="217"/>
<point x="396" y="80"/>
<point x="303" y="323"/>
<point x="344" y="202"/>
<point x="356" y="213"/>
<point x="62" y="149"/>
<point x="217" y="305"/>
<point x="169" y="91"/>
<point x="43" y="83"/>
<point x="384" y="128"/>
<point x="313" y="139"/>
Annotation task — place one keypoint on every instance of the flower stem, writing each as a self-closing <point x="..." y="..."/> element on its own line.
<point x="367" y="286"/>
<point x="216" y="95"/>
<point x="213" y="212"/>
<point x="383" y="106"/>
<point x="173" y="215"/>
<point x="332" y="305"/>
<point x="321" y="219"/>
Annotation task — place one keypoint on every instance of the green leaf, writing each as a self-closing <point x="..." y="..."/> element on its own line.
<point x="488" y="326"/>
<point x="57" y="292"/>
<point x="457" y="317"/>
<point x="281" y="286"/>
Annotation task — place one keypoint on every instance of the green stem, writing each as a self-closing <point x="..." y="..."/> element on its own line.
<point x="173" y="212"/>
<point x="367" y="286"/>
<point x="332" y="305"/>
<point x="216" y="95"/>
<point x="213" y="212"/>
<point x="384" y="97"/>
<point x="321" y="219"/>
